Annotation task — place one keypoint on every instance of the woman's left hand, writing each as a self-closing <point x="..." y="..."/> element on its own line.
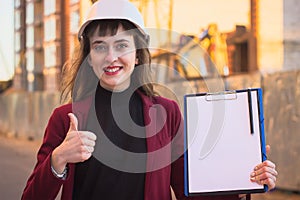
<point x="265" y="173"/>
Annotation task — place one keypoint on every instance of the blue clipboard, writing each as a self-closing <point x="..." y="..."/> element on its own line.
<point x="224" y="140"/>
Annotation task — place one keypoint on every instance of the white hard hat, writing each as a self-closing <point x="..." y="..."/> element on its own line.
<point x="114" y="9"/>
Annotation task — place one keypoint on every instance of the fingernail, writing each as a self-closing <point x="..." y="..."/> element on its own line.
<point x="253" y="174"/>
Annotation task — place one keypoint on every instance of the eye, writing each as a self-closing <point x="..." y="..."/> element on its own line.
<point x="101" y="47"/>
<point x="122" y="45"/>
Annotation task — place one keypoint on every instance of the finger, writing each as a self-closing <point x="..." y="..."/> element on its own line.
<point x="266" y="163"/>
<point x="91" y="135"/>
<point x="88" y="135"/>
<point x="269" y="182"/>
<point x="73" y="122"/>
<point x="87" y="142"/>
<point x="268" y="149"/>
<point x="85" y="156"/>
<point x="263" y="171"/>
<point x="89" y="149"/>
<point x="266" y="175"/>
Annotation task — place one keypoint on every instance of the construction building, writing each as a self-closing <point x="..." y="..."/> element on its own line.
<point x="262" y="52"/>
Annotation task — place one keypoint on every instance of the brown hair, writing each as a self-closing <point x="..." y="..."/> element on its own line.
<point x="108" y="27"/>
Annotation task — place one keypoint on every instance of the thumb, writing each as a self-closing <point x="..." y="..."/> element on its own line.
<point x="268" y="149"/>
<point x="73" y="122"/>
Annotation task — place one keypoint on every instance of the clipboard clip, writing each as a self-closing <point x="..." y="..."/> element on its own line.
<point x="219" y="96"/>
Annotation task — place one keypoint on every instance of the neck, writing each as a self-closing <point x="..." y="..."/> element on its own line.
<point x="117" y="88"/>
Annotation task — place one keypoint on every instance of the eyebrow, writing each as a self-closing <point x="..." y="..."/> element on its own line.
<point x="103" y="41"/>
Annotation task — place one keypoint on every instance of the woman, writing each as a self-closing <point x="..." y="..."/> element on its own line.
<point x="93" y="151"/>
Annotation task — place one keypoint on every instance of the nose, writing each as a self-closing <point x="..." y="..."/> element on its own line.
<point x="111" y="56"/>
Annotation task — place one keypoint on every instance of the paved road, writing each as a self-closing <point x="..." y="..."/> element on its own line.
<point x="276" y="195"/>
<point x="17" y="161"/>
<point x="19" y="156"/>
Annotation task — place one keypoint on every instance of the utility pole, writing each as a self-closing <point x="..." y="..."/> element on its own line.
<point x="254" y="10"/>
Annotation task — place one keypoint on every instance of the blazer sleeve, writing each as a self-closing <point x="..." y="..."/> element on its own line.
<point x="177" y="167"/>
<point x="42" y="184"/>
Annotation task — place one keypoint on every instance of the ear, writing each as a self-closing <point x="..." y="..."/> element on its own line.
<point x="136" y="61"/>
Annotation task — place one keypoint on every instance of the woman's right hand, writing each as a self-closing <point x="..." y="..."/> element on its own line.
<point x="78" y="146"/>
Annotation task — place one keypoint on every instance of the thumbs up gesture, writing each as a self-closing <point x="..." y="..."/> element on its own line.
<point x="77" y="146"/>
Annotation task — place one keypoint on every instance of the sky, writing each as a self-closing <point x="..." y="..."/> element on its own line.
<point x="200" y="14"/>
<point x="6" y="40"/>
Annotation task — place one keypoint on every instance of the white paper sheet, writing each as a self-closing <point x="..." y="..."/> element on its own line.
<point x="222" y="152"/>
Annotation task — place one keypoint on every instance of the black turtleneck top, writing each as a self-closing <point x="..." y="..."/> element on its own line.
<point x="95" y="180"/>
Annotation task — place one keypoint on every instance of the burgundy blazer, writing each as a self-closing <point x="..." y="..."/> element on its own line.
<point x="42" y="184"/>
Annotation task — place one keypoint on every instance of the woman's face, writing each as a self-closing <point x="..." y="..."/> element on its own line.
<point x="113" y="59"/>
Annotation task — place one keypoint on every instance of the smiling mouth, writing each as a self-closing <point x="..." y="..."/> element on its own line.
<point x="112" y="69"/>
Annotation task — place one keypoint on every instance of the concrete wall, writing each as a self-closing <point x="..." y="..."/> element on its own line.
<point x="26" y="114"/>
<point x="282" y="122"/>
